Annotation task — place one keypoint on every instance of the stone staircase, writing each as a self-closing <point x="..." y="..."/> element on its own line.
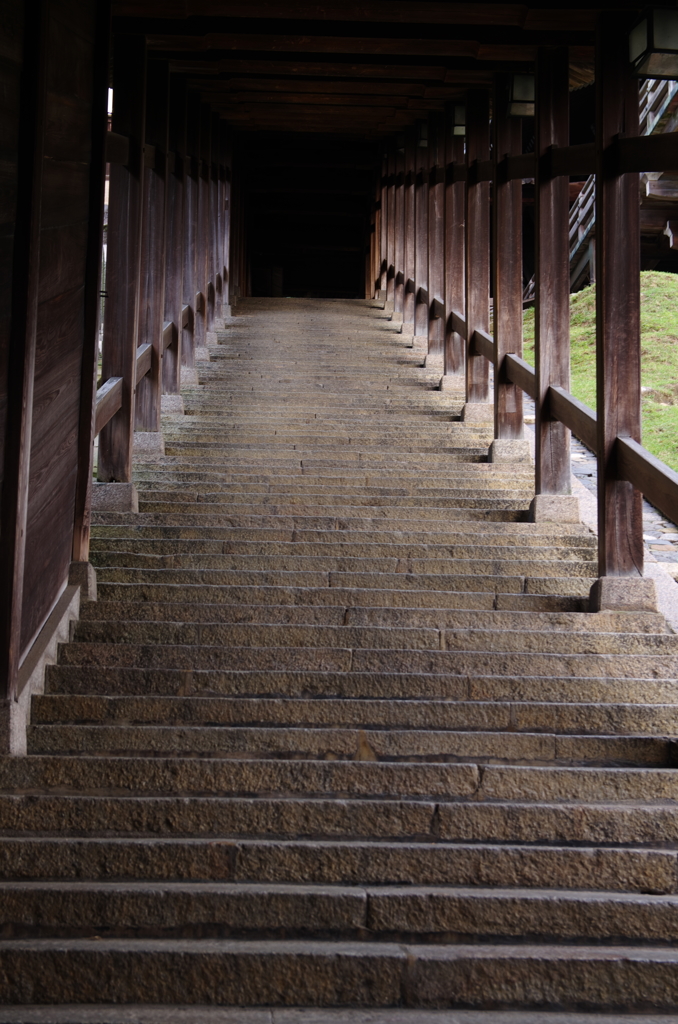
<point x="339" y="731"/>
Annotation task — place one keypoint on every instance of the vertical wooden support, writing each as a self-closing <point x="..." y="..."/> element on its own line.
<point x="409" y="226"/>
<point x="455" y="247"/>
<point x="174" y="233"/>
<point x="620" y="528"/>
<point x="383" y="234"/>
<point x="123" y="253"/>
<point x="22" y="343"/>
<point x="390" y="237"/>
<point x="477" y="242"/>
<point x="399" y="249"/>
<point x="376" y="245"/>
<point x="507" y="220"/>
<point x="152" y="277"/>
<point x="190" y="226"/>
<point x="203" y="233"/>
<point x="421" y="234"/>
<point x="436" y="234"/>
<point x="228" y="216"/>
<point x="552" y="271"/>
<point x="92" y="304"/>
<point x="213" y="224"/>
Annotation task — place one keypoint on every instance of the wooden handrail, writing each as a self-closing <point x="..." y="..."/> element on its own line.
<point x="144" y="357"/>
<point x="484" y="345"/>
<point x="108" y="401"/>
<point x="579" y="418"/>
<point x="185" y="316"/>
<point x="651" y="476"/>
<point x="168" y="334"/>
<point x="521" y="373"/>
<point x="459" y="324"/>
<point x="647" y="153"/>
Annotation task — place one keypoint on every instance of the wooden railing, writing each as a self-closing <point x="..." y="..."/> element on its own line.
<point x="652" y="477"/>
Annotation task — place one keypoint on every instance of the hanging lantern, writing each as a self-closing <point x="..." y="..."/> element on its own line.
<point x="521" y="102"/>
<point x="653" y="44"/>
<point x="459" y="126"/>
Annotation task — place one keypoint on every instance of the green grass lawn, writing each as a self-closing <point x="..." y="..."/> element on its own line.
<point x="659" y="365"/>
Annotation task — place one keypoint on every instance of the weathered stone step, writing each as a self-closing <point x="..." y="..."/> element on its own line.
<point x="249" y="909"/>
<point x="133" y="680"/>
<point x="513" y="716"/>
<point x="290" y="504"/>
<point x="331" y="743"/>
<point x="597" y="868"/>
<point x="240" y="973"/>
<point x="301" y="520"/>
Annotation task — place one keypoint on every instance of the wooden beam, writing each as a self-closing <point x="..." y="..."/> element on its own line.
<point x="507" y="252"/>
<point x="108" y="401"/>
<point x="22" y="342"/>
<point x="646" y="153"/>
<point x="87" y="428"/>
<point x="648" y="475"/>
<point x="576" y="416"/>
<point x="409" y="289"/>
<point x="484" y="345"/>
<point x="144" y="362"/>
<point x="455" y="248"/>
<point x="620" y="527"/>
<point x="477" y="242"/>
<point x="117" y="148"/>
<point x="125" y="210"/>
<point x="552" y="274"/>
<point x="522" y="374"/>
<point x="312" y="69"/>
<point x="436" y="233"/>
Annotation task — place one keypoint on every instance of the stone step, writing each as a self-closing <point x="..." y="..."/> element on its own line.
<point x="237" y="972"/>
<point x="513" y="716"/>
<point x="643" y="870"/>
<point x="434" y="914"/>
<point x="333" y="744"/>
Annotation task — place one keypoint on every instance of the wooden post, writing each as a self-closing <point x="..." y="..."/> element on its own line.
<point x="190" y="226"/>
<point x="228" y="217"/>
<point x="508" y="263"/>
<point x="152" y="283"/>
<point x="436" y="234"/>
<point x="92" y="303"/>
<point x="213" y="225"/>
<point x="174" y="234"/>
<point x="391" y="234"/>
<point x="22" y="343"/>
<point x="123" y="254"/>
<point x="203" y="228"/>
<point x="477" y="243"/>
<point x="552" y="271"/>
<point x="620" y="527"/>
<point x="421" y="233"/>
<point x="376" y="235"/>
<point x="383" y="234"/>
<point x="455" y="249"/>
<point x="409" y="227"/>
<point x="399" y="295"/>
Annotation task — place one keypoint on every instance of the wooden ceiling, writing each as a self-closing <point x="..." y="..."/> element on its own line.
<point x="365" y="69"/>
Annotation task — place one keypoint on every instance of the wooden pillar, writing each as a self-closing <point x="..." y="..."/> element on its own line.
<point x="477" y="242"/>
<point x="174" y="233"/>
<point x="152" y="278"/>
<point x="552" y="271"/>
<point x="92" y="304"/>
<point x="213" y="225"/>
<point x="507" y="227"/>
<point x="399" y="249"/>
<point x="436" y="234"/>
<point x="620" y="528"/>
<point x="190" y="226"/>
<point x="228" y="216"/>
<point x="123" y="254"/>
<point x="421" y="233"/>
<point x="383" y="234"/>
<point x="391" y="235"/>
<point x="409" y="226"/>
<point x="455" y="247"/>
<point x="203" y="233"/>
<point x="22" y="343"/>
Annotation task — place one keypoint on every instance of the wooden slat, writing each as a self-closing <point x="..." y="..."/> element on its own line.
<point x="522" y="374"/>
<point x="477" y="243"/>
<point x="108" y="401"/>
<point x="185" y="315"/>
<point x="620" y="525"/>
<point x="552" y="273"/>
<point x="648" y="475"/>
<point x="577" y="417"/>
<point x="484" y="345"/>
<point x="117" y="148"/>
<point x="22" y="343"/>
<point x="507" y="251"/>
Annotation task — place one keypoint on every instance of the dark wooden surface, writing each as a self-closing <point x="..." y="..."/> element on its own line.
<point x="421" y="240"/>
<point x="174" y="233"/>
<point x="455" y="250"/>
<point x="436" y="241"/>
<point x="190" y="224"/>
<point x="87" y="429"/>
<point x="399" y="214"/>
<point x="620" y="528"/>
<point x="124" y="255"/>
<point x="552" y="273"/>
<point x="383" y="223"/>
<point x="410" y="227"/>
<point x="507" y="253"/>
<point x="648" y="474"/>
<point x="477" y="242"/>
<point x="391" y="232"/>
<point x="26" y="187"/>
<point x="152" y="269"/>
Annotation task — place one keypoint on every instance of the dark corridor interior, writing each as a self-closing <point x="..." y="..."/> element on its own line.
<point x="307" y="216"/>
